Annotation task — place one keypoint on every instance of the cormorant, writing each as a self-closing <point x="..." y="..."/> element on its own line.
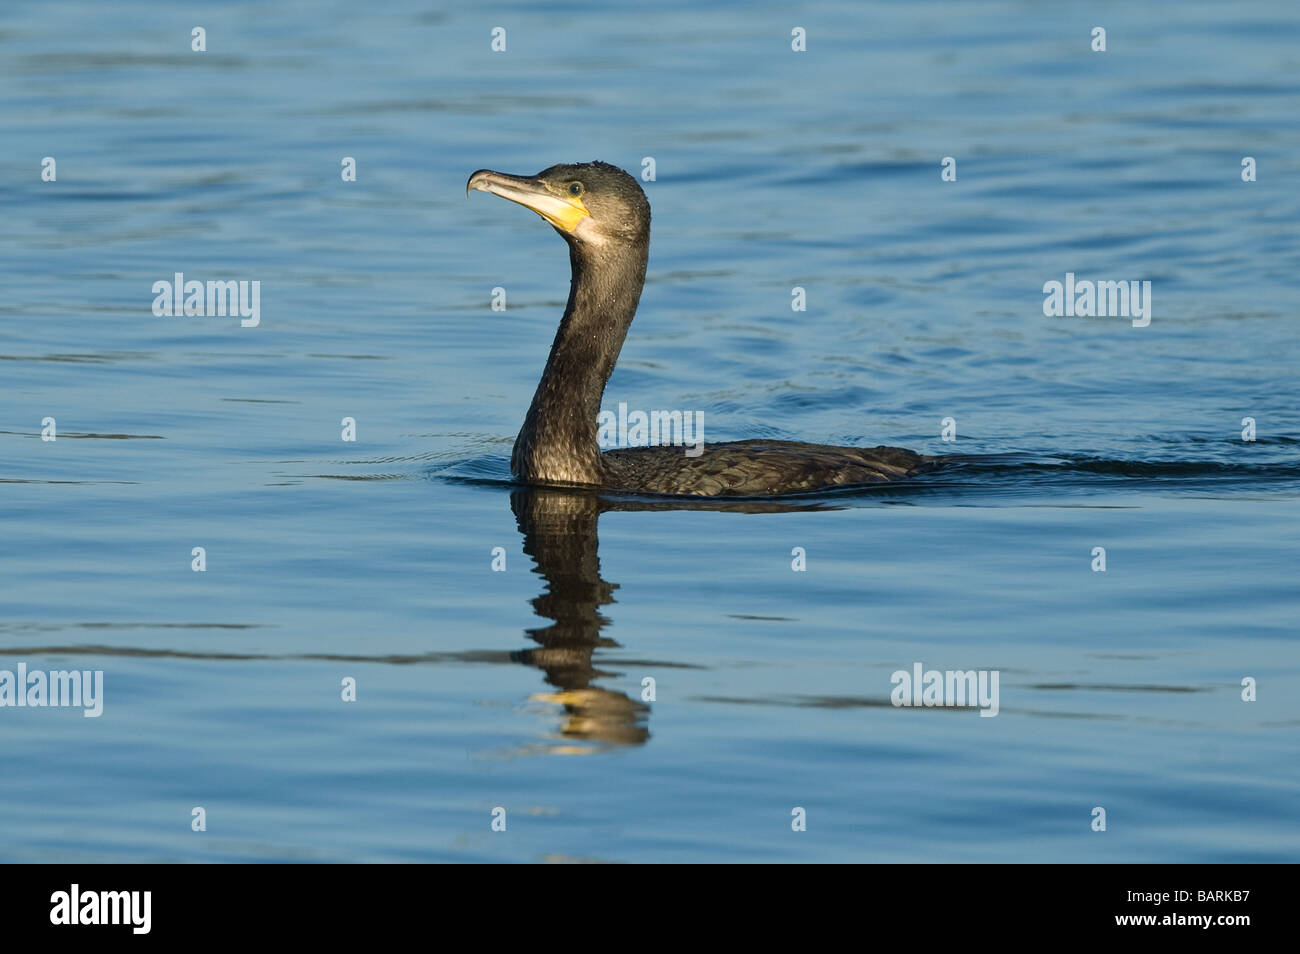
<point x="602" y="213"/>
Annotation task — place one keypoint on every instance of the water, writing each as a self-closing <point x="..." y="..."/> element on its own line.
<point x="523" y="689"/>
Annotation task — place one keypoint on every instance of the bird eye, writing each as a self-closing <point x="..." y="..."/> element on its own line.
<point x="575" y="188"/>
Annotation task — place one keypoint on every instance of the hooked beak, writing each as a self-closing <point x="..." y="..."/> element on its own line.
<point x="562" y="211"/>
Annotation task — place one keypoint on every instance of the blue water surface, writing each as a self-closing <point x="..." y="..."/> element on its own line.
<point x="527" y="689"/>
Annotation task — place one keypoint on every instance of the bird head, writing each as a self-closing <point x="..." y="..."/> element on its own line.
<point x="589" y="203"/>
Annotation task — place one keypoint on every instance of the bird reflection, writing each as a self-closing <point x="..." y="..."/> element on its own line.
<point x="559" y="529"/>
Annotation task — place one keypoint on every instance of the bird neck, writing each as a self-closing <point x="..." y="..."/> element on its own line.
<point x="557" y="443"/>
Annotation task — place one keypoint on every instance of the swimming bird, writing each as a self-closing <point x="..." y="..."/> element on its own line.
<point x="604" y="216"/>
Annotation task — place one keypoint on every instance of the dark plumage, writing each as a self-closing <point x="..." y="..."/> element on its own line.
<point x="602" y="213"/>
